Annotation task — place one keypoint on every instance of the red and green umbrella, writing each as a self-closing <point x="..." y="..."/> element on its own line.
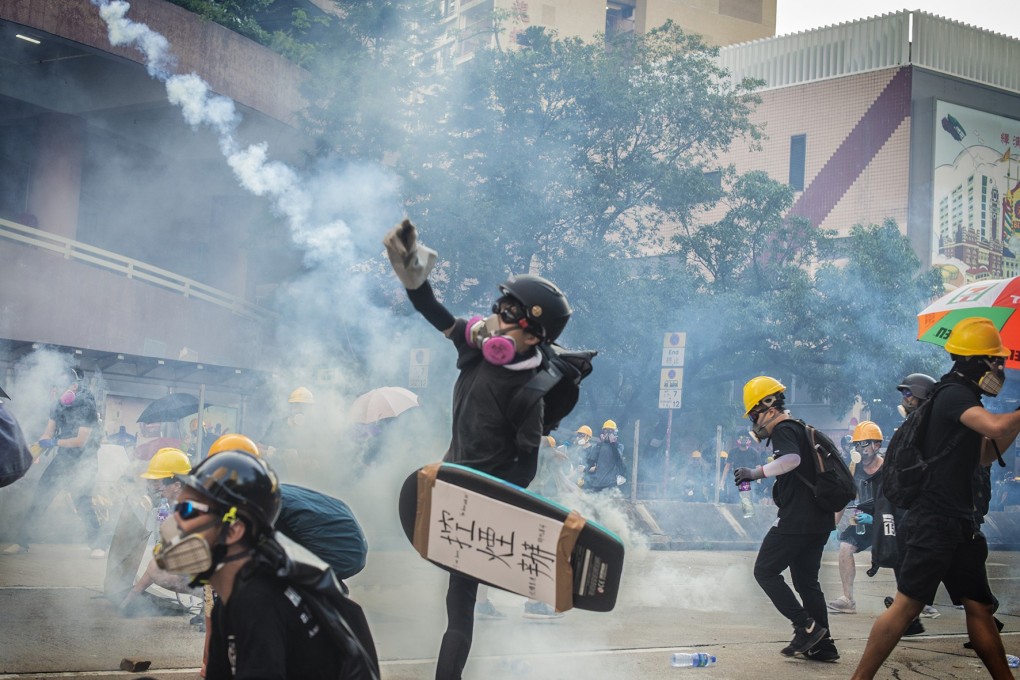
<point x="997" y="301"/>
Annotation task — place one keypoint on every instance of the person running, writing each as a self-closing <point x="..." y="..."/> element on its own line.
<point x="867" y="441"/>
<point x="799" y="535"/>
<point x="943" y="542"/>
<point x="496" y="357"/>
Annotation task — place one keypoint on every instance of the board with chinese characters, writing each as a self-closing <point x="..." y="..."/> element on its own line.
<point x="507" y="537"/>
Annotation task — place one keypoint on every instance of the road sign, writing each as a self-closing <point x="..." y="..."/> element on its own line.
<point x="418" y="373"/>
<point x="671" y="382"/>
<point x="673" y="345"/>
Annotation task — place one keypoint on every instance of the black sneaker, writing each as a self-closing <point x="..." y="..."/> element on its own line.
<point x="823" y="651"/>
<point x="915" y="628"/>
<point x="804" y="638"/>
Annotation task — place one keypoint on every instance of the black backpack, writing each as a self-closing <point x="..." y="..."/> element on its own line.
<point x="342" y="617"/>
<point x="834" y="485"/>
<point x="557" y="382"/>
<point x="906" y="465"/>
<point x="15" y="458"/>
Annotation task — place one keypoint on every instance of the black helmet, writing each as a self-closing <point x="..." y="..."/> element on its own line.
<point x="545" y="306"/>
<point x="919" y="384"/>
<point x="238" y="480"/>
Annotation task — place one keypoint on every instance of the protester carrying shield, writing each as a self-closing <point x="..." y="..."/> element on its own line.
<point x="797" y="538"/>
<point x="943" y="541"/>
<point x="858" y="536"/>
<point x="72" y="433"/>
<point x="497" y="357"/>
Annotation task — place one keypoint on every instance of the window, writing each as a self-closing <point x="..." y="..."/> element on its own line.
<point x="798" y="145"/>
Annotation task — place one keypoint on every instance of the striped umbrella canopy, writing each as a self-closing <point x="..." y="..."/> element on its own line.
<point x="997" y="301"/>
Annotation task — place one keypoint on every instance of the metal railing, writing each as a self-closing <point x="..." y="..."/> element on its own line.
<point x="132" y="269"/>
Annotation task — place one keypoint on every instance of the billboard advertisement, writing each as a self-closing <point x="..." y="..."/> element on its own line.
<point x="976" y="212"/>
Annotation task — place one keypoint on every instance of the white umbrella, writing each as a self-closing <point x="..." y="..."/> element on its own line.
<point x="381" y="403"/>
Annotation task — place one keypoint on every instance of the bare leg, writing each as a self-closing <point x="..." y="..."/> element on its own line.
<point x="886" y="633"/>
<point x="986" y="640"/>
<point x="847" y="569"/>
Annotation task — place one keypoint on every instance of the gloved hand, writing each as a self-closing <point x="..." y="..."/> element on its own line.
<point x="612" y="438"/>
<point x="744" y="474"/>
<point x="47" y="443"/>
<point x="411" y="261"/>
<point x="863" y="518"/>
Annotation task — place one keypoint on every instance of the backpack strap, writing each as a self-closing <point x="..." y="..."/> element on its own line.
<point x="949" y="445"/>
<point x="819" y="465"/>
<point x="532" y="391"/>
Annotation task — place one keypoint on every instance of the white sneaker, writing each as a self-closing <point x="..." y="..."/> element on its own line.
<point x="97" y="554"/>
<point x="15" y="549"/>
<point x="929" y="612"/>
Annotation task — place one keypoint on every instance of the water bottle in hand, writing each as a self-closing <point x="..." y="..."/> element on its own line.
<point x="746" y="504"/>
<point x="695" y="660"/>
<point x="861" y="529"/>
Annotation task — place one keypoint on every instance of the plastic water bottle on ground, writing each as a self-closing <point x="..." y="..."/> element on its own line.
<point x="1013" y="661"/>
<point x="695" y="660"/>
<point x="746" y="504"/>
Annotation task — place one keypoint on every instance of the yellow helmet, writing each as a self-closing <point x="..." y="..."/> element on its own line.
<point x="757" y="389"/>
<point x="166" y="463"/>
<point x="609" y="425"/>
<point x="724" y="454"/>
<point x="234" y="442"/>
<point x="585" y="430"/>
<point x="867" y="431"/>
<point x="975" y="337"/>
<point x="301" y="395"/>
<point x="695" y="454"/>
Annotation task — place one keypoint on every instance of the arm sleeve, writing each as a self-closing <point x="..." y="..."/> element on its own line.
<point x="781" y="465"/>
<point x="424" y="300"/>
<point x="529" y="437"/>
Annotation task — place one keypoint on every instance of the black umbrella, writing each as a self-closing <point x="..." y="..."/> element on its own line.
<point x="170" y="408"/>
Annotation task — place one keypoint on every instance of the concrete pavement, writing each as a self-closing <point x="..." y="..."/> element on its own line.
<point x="54" y="622"/>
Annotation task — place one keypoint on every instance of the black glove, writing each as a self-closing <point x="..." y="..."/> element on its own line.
<point x="744" y="474"/>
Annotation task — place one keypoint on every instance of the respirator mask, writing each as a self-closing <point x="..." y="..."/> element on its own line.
<point x="485" y="334"/>
<point x="759" y="431"/>
<point x="987" y="373"/>
<point x="188" y="553"/>
<point x="297" y="419"/>
<point x="68" y="396"/>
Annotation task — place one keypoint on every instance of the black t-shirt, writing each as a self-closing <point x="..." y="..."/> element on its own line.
<point x="947" y="490"/>
<point x="867" y="487"/>
<point x="81" y="413"/>
<point x="484" y="437"/>
<point x="798" y="511"/>
<point x="743" y="458"/>
<point x="267" y="632"/>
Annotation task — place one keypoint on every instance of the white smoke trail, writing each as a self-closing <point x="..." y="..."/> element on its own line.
<point x="251" y="165"/>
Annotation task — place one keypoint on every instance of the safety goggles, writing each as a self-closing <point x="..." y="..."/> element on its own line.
<point x="861" y="446"/>
<point x="905" y="391"/>
<point x="509" y="313"/>
<point x="763" y="405"/>
<point x="191" y="509"/>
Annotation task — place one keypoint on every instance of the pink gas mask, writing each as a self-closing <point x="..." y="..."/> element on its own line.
<point x="485" y="334"/>
<point x="67" y="398"/>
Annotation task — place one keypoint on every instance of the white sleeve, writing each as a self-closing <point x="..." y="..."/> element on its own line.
<point x="781" y="465"/>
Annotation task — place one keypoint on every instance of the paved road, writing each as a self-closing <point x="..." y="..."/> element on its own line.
<point x="54" y="622"/>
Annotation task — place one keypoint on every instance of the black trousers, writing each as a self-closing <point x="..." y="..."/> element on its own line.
<point x="802" y="553"/>
<point x="76" y="474"/>
<point x="460" y="623"/>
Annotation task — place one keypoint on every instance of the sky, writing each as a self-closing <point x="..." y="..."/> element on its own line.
<point x="800" y="15"/>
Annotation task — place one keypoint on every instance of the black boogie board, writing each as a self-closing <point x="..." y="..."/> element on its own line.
<point x="472" y="523"/>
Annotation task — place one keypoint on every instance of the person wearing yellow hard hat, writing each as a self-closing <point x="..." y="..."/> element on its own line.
<point x="163" y="480"/>
<point x="796" y="540"/>
<point x="943" y="543"/>
<point x="289" y="437"/>
<point x="859" y="535"/>
<point x="604" y="468"/>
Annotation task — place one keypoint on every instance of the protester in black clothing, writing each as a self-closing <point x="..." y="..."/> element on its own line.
<point x="604" y="466"/>
<point x="943" y="542"/>
<point x="15" y="457"/>
<point x="799" y="535"/>
<point x="263" y="624"/>
<point x="73" y="433"/>
<point x="496" y="356"/>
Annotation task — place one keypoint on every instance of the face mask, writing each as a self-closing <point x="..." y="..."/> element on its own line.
<point x="758" y="428"/>
<point x="902" y="410"/>
<point x="298" y="419"/>
<point x="991" y="382"/>
<point x="67" y="398"/>
<point x="181" y="553"/>
<point x="498" y="349"/>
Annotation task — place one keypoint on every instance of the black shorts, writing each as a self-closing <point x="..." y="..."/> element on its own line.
<point x="858" y="541"/>
<point x="949" y="550"/>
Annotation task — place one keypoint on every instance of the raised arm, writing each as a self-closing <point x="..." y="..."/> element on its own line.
<point x="412" y="262"/>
